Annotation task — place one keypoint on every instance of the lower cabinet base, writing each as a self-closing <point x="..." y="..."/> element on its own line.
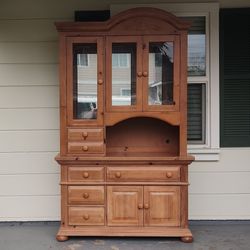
<point x="184" y="233"/>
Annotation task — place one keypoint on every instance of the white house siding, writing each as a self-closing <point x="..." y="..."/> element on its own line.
<point x="29" y="125"/>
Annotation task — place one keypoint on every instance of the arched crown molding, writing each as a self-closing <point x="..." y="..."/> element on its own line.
<point x="136" y="20"/>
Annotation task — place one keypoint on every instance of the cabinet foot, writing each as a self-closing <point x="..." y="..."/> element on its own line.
<point x="187" y="239"/>
<point x="62" y="237"/>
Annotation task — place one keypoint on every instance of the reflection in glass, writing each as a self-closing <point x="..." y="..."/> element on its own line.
<point x="196" y="55"/>
<point x="123" y="74"/>
<point x="85" y="81"/>
<point x="160" y="84"/>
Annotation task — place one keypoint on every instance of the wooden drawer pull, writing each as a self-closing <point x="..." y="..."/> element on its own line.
<point x="85" y="175"/>
<point x="86" y="217"/>
<point x="85" y="148"/>
<point x="100" y="81"/>
<point x="146" y="206"/>
<point x="139" y="74"/>
<point x="118" y="174"/>
<point x="85" y="135"/>
<point x="169" y="174"/>
<point x="140" y="206"/>
<point x="145" y="73"/>
<point x="85" y="195"/>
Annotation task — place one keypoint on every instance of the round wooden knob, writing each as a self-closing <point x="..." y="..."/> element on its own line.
<point x="85" y="148"/>
<point x="145" y="73"/>
<point x="140" y="206"/>
<point x="146" y="206"/>
<point x="139" y="74"/>
<point x="100" y="81"/>
<point x="85" y="195"/>
<point x="169" y="174"/>
<point x="85" y="175"/>
<point x="117" y="174"/>
<point x="86" y="217"/>
<point x="85" y="135"/>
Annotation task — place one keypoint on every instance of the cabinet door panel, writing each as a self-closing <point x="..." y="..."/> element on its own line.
<point x="123" y="67"/>
<point x="161" y="69"/>
<point x="162" y="206"/>
<point x="125" y="206"/>
<point x="85" y="80"/>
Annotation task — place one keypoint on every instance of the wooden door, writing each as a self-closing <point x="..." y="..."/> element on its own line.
<point x="123" y="73"/>
<point x="85" y="80"/>
<point x="161" y="73"/>
<point x="161" y="206"/>
<point x="125" y="205"/>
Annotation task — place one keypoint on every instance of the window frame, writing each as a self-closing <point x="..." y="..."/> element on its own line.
<point x="209" y="151"/>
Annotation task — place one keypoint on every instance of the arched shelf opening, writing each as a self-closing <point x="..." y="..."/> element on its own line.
<point x="140" y="136"/>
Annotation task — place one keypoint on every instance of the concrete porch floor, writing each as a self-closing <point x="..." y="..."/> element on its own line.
<point x="208" y="235"/>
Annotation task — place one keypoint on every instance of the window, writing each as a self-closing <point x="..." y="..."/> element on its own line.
<point x="120" y="60"/>
<point x="125" y="92"/>
<point x="196" y="112"/>
<point x="82" y="60"/>
<point x="197" y="70"/>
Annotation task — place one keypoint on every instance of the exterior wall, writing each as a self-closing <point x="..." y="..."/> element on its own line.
<point x="29" y="127"/>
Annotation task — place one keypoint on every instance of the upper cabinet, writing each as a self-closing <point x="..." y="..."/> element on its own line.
<point x="142" y="73"/>
<point x="133" y="65"/>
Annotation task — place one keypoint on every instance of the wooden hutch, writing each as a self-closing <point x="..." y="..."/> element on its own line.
<point x="123" y="126"/>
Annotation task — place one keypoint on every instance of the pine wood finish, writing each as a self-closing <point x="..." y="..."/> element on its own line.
<point x="125" y="172"/>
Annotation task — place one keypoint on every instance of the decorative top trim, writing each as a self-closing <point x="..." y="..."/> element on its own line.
<point x="124" y="17"/>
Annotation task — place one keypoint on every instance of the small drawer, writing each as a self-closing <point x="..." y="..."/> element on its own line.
<point x="85" y="174"/>
<point x="86" y="195"/>
<point x="139" y="173"/>
<point x="85" y="148"/>
<point x="86" y="134"/>
<point x="86" y="216"/>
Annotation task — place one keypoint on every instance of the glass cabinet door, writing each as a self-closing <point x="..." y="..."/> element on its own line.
<point x="160" y="73"/>
<point x="123" y="63"/>
<point x="86" y="75"/>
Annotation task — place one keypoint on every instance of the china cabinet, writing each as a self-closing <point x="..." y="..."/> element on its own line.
<point x="123" y="145"/>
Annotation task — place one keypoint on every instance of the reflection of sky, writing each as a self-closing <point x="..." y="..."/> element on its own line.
<point x="196" y="45"/>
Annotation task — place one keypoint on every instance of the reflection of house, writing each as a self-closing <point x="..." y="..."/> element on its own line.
<point x="124" y="76"/>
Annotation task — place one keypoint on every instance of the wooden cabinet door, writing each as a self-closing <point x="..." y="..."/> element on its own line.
<point x="161" y="206"/>
<point x="125" y="205"/>
<point x="161" y="73"/>
<point x="123" y="73"/>
<point x="85" y="80"/>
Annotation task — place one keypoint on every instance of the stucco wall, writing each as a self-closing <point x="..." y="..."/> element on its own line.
<point x="29" y="125"/>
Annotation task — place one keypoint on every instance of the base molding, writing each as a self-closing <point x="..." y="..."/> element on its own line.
<point x="184" y="233"/>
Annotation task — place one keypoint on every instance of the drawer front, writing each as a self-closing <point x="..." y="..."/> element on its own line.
<point x="86" y="216"/>
<point x="85" y="174"/>
<point x="86" y="134"/>
<point x="86" y="195"/>
<point x="85" y="148"/>
<point x="139" y="173"/>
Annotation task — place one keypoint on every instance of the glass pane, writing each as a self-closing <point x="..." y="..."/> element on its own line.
<point x="196" y="113"/>
<point x="196" y="45"/>
<point x="123" y="74"/>
<point x="160" y="88"/>
<point x="85" y="81"/>
<point x="196" y="55"/>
